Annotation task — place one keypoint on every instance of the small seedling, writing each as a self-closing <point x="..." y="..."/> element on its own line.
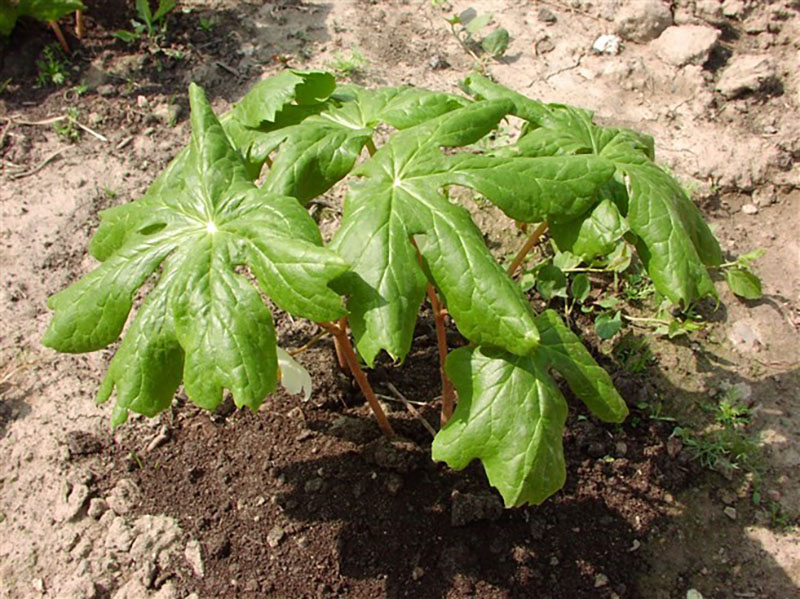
<point x="347" y="65"/>
<point x="53" y="67"/>
<point x="470" y="30"/>
<point x="207" y="24"/>
<point x="149" y="24"/>
<point x="68" y="128"/>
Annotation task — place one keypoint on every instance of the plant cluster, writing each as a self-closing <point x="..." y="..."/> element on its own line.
<point x="216" y="230"/>
<point x="148" y="24"/>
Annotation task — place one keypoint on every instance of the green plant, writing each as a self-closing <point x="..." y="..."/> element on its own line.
<point x="740" y="278"/>
<point x="207" y="23"/>
<point x="149" y="23"/>
<point x="467" y="28"/>
<point x="46" y="11"/>
<point x="68" y="128"/>
<point x="53" y="67"/>
<point x="211" y="241"/>
<point x="348" y="65"/>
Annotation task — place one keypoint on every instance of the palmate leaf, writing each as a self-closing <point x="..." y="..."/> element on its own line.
<point x="400" y="197"/>
<point x="318" y="144"/>
<point x="674" y="242"/>
<point x="203" y="321"/>
<point x="511" y="414"/>
<point x="48" y="10"/>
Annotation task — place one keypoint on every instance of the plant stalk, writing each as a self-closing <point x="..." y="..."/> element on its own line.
<point x="337" y="345"/>
<point x="371" y="147"/>
<point x="339" y="331"/>
<point x="448" y="393"/>
<point x="79" y="24"/>
<point x="60" y="36"/>
<point x="532" y="240"/>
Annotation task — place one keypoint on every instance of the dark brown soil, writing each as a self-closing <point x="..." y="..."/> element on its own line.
<point x="308" y="500"/>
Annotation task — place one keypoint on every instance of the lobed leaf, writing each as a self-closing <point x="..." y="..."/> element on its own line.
<point x="511" y="416"/>
<point x="197" y="226"/>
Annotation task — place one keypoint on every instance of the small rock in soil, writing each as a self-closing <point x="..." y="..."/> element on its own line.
<point x="730" y="512"/>
<point x="417" y="573"/>
<point x="394" y="483"/>
<point x="747" y="73"/>
<point x="106" y="90"/>
<point x="600" y="580"/>
<point x="438" y="62"/>
<point x="621" y="449"/>
<point x="72" y="503"/>
<point x="395" y="454"/>
<point x="119" y="535"/>
<point x="154" y="535"/>
<point x="733" y="8"/>
<point x="546" y="16"/>
<point x="466" y="508"/>
<point x="687" y="44"/>
<point x="607" y="44"/>
<point x="643" y="21"/>
<point x="727" y="496"/>
<point x="124" y="496"/>
<point x="194" y="557"/>
<point x="750" y="209"/>
<point x="275" y="536"/>
<point x="674" y="447"/>
<point x="82" y="443"/>
<point x="314" y="485"/>
<point x="97" y="507"/>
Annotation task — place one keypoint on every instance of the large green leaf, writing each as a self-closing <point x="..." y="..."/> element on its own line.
<point x="563" y="351"/>
<point x="204" y="320"/>
<point x="593" y="235"/>
<point x="511" y="416"/>
<point x="400" y="197"/>
<point x="48" y="10"/>
<point x="675" y="243"/>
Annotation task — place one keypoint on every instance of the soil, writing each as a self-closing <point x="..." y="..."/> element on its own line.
<point x="306" y="499"/>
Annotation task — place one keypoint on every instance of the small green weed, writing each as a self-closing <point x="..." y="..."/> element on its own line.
<point x="207" y="24"/>
<point x="149" y="24"/>
<point x="67" y="129"/>
<point x="53" y="67"/>
<point x="347" y="66"/>
<point x="634" y="354"/>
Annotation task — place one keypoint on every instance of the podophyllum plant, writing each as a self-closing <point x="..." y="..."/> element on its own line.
<point x="211" y="240"/>
<point x="46" y="11"/>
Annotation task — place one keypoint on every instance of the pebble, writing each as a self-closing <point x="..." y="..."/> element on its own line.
<point x="546" y="16"/>
<point x="686" y="44"/>
<point x="106" y="90"/>
<point x="750" y="209"/>
<point x="608" y="44"/>
<point x="417" y="573"/>
<point x="97" y="507"/>
<point x="313" y="485"/>
<point x="600" y="580"/>
<point x="275" y="536"/>
<point x="194" y="557"/>
<point x="123" y="497"/>
<point x="747" y="73"/>
<point x="72" y="504"/>
<point x="730" y="512"/>
<point x="643" y="20"/>
<point x="621" y="449"/>
<point x="727" y="497"/>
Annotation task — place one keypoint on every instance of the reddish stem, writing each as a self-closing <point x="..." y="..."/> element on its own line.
<point x="532" y="240"/>
<point x="448" y="393"/>
<point x="59" y="36"/>
<point x="338" y="347"/>
<point x="79" y="24"/>
<point x="339" y="331"/>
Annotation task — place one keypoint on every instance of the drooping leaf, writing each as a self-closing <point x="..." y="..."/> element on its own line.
<point x="269" y="96"/>
<point x="593" y="235"/>
<point x="743" y="283"/>
<point x="204" y="321"/>
<point x="564" y="351"/>
<point x="293" y="377"/>
<point x="400" y="197"/>
<point x="511" y="416"/>
<point x="674" y="242"/>
<point x="48" y="10"/>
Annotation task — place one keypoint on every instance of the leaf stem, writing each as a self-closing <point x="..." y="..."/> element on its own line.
<point x="337" y="345"/>
<point x="532" y="240"/>
<point x="448" y="393"/>
<point x="309" y="344"/>
<point x="641" y="319"/>
<point x="339" y="332"/>
<point x="371" y="147"/>
<point x="79" y="24"/>
<point x="59" y="36"/>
